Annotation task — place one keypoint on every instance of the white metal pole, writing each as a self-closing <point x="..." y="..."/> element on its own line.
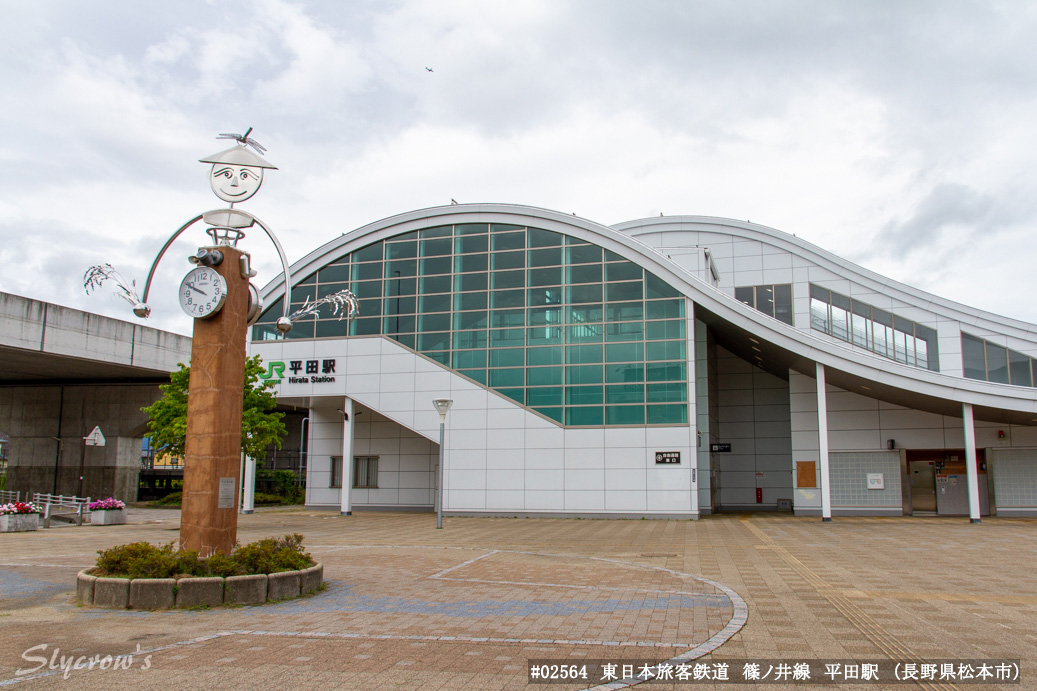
<point x="439" y="479"/>
<point x="971" y="473"/>
<point x="822" y="439"/>
<point x="249" y="500"/>
<point x="241" y="483"/>
<point x="346" y="507"/>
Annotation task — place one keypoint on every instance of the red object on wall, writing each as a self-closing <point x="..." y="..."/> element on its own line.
<point x="759" y="495"/>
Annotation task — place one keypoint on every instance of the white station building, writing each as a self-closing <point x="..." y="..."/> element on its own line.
<point x="666" y="367"/>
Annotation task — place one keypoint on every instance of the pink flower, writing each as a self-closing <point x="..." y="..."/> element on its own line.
<point x="109" y="504"/>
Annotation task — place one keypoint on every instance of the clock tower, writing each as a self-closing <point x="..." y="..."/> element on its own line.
<point x="212" y="451"/>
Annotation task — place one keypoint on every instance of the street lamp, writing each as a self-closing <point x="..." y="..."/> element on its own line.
<point x="442" y="405"/>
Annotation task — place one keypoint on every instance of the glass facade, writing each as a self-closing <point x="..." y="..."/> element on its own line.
<point x="869" y="327"/>
<point x="988" y="361"/>
<point x="559" y="325"/>
<point x="773" y="300"/>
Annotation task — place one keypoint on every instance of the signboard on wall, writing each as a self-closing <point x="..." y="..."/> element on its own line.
<point x="667" y="456"/>
<point x="720" y="448"/>
<point x="320" y="371"/>
<point x="876" y="481"/>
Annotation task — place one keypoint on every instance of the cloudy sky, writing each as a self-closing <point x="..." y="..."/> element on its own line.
<point x="902" y="136"/>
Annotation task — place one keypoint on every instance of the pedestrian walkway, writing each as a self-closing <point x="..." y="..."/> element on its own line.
<point x="467" y="607"/>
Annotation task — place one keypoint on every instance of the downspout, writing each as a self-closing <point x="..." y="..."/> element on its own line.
<point x="57" y="451"/>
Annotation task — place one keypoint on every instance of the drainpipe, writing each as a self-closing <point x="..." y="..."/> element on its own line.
<point x="57" y="451"/>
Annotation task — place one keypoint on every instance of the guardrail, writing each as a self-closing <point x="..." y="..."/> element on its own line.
<point x="60" y="505"/>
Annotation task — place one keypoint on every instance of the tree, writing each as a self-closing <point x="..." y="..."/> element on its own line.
<point x="260" y="424"/>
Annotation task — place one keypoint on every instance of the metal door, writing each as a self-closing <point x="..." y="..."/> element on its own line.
<point x="923" y="486"/>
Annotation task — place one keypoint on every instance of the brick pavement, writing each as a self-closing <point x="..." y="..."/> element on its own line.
<point x="466" y="607"/>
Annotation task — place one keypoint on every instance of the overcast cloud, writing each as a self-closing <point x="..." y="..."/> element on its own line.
<point x="898" y="135"/>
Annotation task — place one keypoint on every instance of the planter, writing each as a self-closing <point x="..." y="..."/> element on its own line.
<point x="109" y="517"/>
<point x="163" y="593"/>
<point x="19" y="522"/>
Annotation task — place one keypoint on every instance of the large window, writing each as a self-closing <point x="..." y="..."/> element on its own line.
<point x="869" y="327"/>
<point x="564" y="327"/>
<point x="773" y="300"/>
<point x="991" y="362"/>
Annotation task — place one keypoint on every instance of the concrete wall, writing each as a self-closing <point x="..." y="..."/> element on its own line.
<point x="406" y="460"/>
<point x="859" y="428"/>
<point x="43" y="327"/>
<point x="30" y="416"/>
<point x="849" y="481"/>
<point x="51" y="358"/>
<point x="753" y="410"/>
<point x="1015" y="481"/>
<point x="706" y="412"/>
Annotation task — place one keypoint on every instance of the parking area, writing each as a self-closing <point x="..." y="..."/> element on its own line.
<point x="469" y="606"/>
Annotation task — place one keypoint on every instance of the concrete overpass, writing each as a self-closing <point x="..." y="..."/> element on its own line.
<point x="64" y="372"/>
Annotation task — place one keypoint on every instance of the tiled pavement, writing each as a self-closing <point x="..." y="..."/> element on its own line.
<point x="466" y="607"/>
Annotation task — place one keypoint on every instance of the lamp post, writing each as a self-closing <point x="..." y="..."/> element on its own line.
<point x="442" y="405"/>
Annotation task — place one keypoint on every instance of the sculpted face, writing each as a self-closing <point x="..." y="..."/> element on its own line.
<point x="235" y="183"/>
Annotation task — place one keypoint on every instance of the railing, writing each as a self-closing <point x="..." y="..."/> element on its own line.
<point x="60" y="505"/>
<point x="9" y="496"/>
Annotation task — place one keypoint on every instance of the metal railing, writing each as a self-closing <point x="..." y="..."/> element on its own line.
<point x="60" y="505"/>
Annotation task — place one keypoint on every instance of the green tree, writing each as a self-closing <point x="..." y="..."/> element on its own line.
<point x="260" y="424"/>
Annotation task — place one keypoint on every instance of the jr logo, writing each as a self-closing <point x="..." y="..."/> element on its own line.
<point x="274" y="372"/>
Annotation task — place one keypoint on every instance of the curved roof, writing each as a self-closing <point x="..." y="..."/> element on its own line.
<point x="662" y="227"/>
<point x="733" y="322"/>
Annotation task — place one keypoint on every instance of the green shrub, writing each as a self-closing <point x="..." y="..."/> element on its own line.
<point x="271" y="555"/>
<point x="262" y="498"/>
<point x="139" y="560"/>
<point x="169" y="500"/>
<point x="285" y="485"/>
<point x="223" y="566"/>
<point x="144" y="560"/>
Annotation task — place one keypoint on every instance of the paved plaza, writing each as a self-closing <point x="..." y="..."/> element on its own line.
<point x="467" y="607"/>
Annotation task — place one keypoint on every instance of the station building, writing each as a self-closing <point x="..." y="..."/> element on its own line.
<point x="665" y="367"/>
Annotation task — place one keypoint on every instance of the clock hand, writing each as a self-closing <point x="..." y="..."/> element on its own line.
<point x="191" y="286"/>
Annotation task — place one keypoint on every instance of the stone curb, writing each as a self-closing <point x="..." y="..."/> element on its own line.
<point x="311" y="578"/>
<point x="152" y="593"/>
<point x="85" y="587"/>
<point x="167" y="593"/>
<point x="245" y="590"/>
<point x="199" y="592"/>
<point x="113" y="593"/>
<point x="284" y="585"/>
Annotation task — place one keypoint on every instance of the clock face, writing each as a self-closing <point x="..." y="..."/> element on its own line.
<point x="202" y="292"/>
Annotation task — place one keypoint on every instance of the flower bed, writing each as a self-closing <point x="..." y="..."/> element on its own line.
<point x="109" y="504"/>
<point x="108" y="511"/>
<point x="19" y="517"/>
<point x="19" y="507"/>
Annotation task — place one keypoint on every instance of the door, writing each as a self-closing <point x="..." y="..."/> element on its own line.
<point x="923" y="486"/>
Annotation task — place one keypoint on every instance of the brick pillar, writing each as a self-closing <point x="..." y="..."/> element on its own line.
<point x="209" y="516"/>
